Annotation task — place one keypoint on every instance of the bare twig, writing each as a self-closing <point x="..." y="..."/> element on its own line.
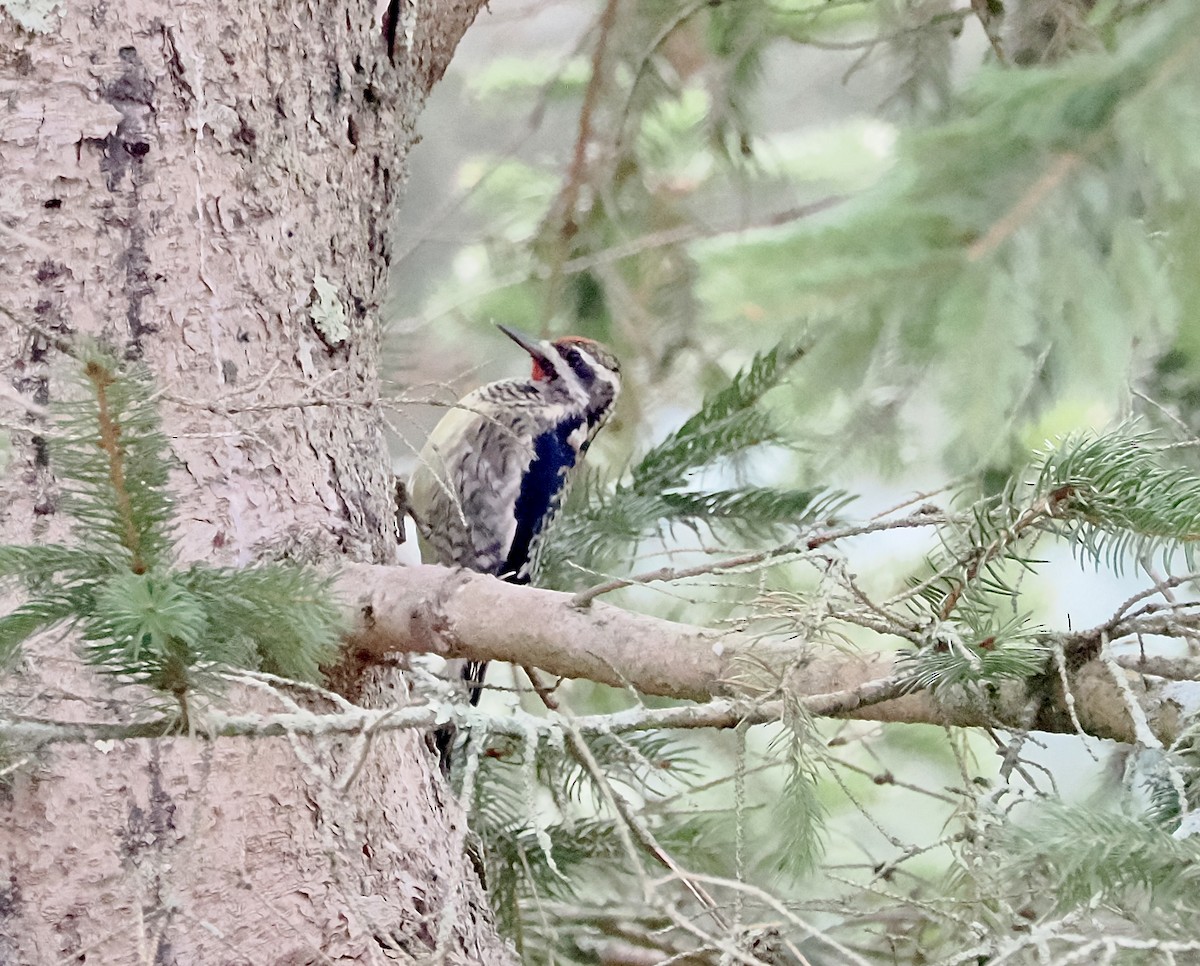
<point x="799" y="545"/>
<point x="1137" y="715"/>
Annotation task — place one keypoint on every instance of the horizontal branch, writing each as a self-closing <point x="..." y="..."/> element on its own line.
<point x="457" y="614"/>
<point x="718" y="713"/>
<point x="738" y="677"/>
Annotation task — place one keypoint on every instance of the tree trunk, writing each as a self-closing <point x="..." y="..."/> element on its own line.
<point x="207" y="187"/>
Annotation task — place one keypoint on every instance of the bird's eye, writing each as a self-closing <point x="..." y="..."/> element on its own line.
<point x="579" y="365"/>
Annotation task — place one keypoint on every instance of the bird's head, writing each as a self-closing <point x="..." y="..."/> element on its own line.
<point x="583" y="368"/>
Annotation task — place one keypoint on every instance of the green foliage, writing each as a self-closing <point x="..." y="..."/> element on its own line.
<point x="1071" y="856"/>
<point x="1013" y="651"/>
<point x="1112" y="497"/>
<point x="1022" y="267"/>
<point x="1034" y="239"/>
<point x="570" y="848"/>
<point x="1120" y="500"/>
<point x="997" y="269"/>
<point x="728" y="423"/>
<point x="516" y="76"/>
<point x="144" y="619"/>
<point x="799" y="813"/>
<point x="524" y="191"/>
<point x="111" y="460"/>
<point x="44" y="611"/>
<point x="283" y="614"/>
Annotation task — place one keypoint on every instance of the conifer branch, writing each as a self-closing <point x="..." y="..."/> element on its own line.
<point x="109" y="440"/>
<point x="977" y="559"/>
<point x="144" y="618"/>
<point x="1026" y="206"/>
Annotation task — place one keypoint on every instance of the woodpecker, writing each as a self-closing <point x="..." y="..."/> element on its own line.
<point x="495" y="469"/>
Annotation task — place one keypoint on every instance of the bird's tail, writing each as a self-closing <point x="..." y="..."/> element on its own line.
<point x="472" y="673"/>
<point x="443" y="742"/>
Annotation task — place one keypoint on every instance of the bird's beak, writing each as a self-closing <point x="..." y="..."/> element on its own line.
<point x="532" y="346"/>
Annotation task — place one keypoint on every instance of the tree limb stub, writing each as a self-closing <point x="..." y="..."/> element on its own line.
<point x="457" y="614"/>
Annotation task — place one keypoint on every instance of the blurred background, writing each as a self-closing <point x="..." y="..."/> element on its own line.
<point x="922" y="240"/>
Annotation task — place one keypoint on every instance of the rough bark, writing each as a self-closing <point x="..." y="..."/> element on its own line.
<point x="207" y="187"/>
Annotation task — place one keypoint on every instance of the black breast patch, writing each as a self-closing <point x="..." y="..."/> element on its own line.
<point x="541" y="491"/>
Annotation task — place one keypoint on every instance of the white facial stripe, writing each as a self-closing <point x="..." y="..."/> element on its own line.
<point x="603" y="373"/>
<point x="564" y="371"/>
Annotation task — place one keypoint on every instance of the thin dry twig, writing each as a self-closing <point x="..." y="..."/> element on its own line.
<point x="1137" y="714"/>
<point x="921" y="518"/>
